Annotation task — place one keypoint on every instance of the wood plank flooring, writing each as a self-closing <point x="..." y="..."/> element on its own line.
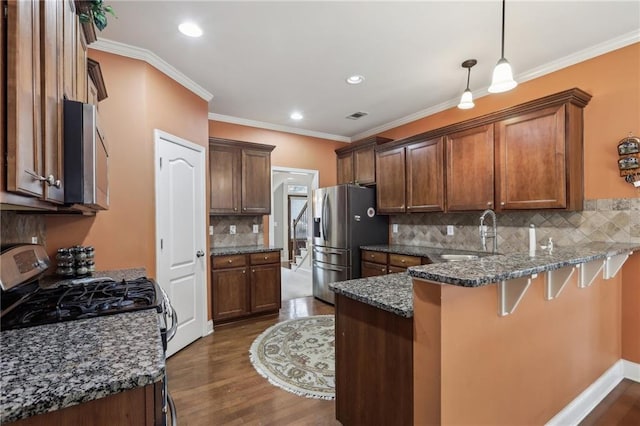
<point x="213" y="382"/>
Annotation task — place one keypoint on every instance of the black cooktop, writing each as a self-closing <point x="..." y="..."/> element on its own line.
<point x="78" y="301"/>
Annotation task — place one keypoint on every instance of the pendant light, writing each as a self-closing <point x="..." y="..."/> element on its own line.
<point x="466" y="101"/>
<point x="502" y="80"/>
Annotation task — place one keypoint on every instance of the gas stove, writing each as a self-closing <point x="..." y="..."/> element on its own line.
<point x="80" y="299"/>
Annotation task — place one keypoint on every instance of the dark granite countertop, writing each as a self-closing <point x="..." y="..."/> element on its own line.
<point x="491" y="269"/>
<point x="393" y="292"/>
<point x="116" y="274"/>
<point x="224" y="251"/>
<point x="433" y="253"/>
<point x="53" y="366"/>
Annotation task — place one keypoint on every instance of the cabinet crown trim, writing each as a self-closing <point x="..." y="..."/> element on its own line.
<point x="573" y="96"/>
<point x="240" y="144"/>
<point x="354" y="146"/>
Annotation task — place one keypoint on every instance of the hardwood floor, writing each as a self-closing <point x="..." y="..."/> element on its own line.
<point x="213" y="382"/>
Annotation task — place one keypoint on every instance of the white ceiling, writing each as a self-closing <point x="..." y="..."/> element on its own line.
<point x="262" y="60"/>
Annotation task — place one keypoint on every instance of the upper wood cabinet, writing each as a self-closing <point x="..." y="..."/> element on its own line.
<point x="44" y="65"/>
<point x="470" y="169"/>
<point x="531" y="166"/>
<point x="529" y="156"/>
<point x="240" y="177"/>
<point x="357" y="162"/>
<point x="411" y="179"/>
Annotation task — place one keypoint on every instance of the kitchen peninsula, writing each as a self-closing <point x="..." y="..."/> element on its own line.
<point x="517" y="362"/>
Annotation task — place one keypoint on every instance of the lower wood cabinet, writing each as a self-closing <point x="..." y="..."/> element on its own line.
<point x="245" y="284"/>
<point x="374" y="365"/>
<point x="376" y="263"/>
<point x="140" y="406"/>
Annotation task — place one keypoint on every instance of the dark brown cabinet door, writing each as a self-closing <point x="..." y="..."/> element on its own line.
<point x="230" y="293"/>
<point x="530" y="160"/>
<point x="369" y="269"/>
<point x="425" y="176"/>
<point x="224" y="172"/>
<point x="265" y="288"/>
<point x="24" y="132"/>
<point x="69" y="25"/>
<point x="256" y="182"/>
<point x="364" y="166"/>
<point x="345" y="168"/>
<point x="52" y="70"/>
<point x="470" y="169"/>
<point x="390" y="180"/>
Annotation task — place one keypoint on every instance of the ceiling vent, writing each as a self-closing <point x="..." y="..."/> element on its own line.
<point x="357" y="115"/>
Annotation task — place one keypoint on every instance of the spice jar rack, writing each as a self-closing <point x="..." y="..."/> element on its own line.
<point x="75" y="261"/>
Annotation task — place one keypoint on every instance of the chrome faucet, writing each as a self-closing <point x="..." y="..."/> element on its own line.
<point x="484" y="234"/>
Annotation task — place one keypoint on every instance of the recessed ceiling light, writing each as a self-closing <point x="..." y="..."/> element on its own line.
<point x="355" y="79"/>
<point x="296" y="116"/>
<point x="190" y="29"/>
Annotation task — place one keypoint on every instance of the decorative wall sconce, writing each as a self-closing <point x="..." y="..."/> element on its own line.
<point x="629" y="161"/>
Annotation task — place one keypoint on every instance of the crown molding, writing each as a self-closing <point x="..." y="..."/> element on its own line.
<point x="575" y="58"/>
<point x="277" y="127"/>
<point x="152" y="59"/>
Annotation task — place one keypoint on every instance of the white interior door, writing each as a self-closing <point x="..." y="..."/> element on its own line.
<point x="180" y="233"/>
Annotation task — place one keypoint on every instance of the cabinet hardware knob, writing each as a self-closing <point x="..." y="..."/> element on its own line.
<point x="489" y="203"/>
<point x="244" y="208"/>
<point x="235" y="209"/>
<point x="502" y="203"/>
<point x="244" y="271"/>
<point x="383" y="270"/>
<point x="230" y="261"/>
<point x="253" y="270"/>
<point x="266" y="257"/>
<point x="50" y="180"/>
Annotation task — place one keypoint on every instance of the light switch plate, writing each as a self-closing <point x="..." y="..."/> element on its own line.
<point x="449" y="229"/>
<point x="34" y="240"/>
<point x="256" y="228"/>
<point x="394" y="228"/>
<point x="210" y="230"/>
<point x="232" y="229"/>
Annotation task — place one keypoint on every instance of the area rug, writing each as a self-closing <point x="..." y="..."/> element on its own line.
<point x="298" y="356"/>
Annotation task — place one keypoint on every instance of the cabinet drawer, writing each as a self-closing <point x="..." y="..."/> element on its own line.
<point x="231" y="261"/>
<point x="266" y="257"/>
<point x="396" y="269"/>
<point x="369" y="269"/>
<point x="374" y="256"/>
<point x="404" y="261"/>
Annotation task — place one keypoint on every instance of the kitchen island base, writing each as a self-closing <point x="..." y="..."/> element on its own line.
<point x="473" y="366"/>
<point x="374" y="365"/>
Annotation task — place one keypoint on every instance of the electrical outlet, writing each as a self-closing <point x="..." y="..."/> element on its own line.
<point x="210" y="230"/>
<point x="34" y="240"/>
<point x="256" y="228"/>
<point x="449" y="229"/>
<point x="232" y="229"/>
<point x="394" y="228"/>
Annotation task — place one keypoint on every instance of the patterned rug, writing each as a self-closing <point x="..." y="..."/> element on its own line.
<point x="298" y="356"/>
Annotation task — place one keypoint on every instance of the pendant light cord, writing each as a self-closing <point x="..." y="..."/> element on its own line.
<point x="468" y="76"/>
<point x="502" y="53"/>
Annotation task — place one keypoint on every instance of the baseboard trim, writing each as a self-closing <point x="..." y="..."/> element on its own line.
<point x="209" y="327"/>
<point x="584" y="403"/>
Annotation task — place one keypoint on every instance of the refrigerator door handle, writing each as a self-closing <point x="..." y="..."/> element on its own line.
<point x="329" y="269"/>
<point x="318" y="250"/>
<point x="325" y="216"/>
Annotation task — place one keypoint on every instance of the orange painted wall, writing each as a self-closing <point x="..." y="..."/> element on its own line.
<point x="291" y="150"/>
<point x="613" y="79"/>
<point x="140" y="99"/>
<point x="521" y="369"/>
<point x="631" y="309"/>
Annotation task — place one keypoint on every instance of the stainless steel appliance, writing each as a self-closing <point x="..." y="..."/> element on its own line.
<point x="344" y="218"/>
<point x="26" y="300"/>
<point x="86" y="179"/>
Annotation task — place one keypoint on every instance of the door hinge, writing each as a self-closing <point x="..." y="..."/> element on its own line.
<point x="161" y="243"/>
<point x="161" y="162"/>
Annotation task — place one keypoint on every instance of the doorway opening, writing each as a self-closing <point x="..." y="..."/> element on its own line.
<point x="290" y="227"/>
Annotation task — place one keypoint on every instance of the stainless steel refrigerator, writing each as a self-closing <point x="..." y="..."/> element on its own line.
<point x="344" y="218"/>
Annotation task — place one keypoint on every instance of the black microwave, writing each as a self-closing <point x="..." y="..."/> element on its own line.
<point x="86" y="157"/>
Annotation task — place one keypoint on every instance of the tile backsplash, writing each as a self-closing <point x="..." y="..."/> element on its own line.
<point x="611" y="220"/>
<point x="19" y="228"/>
<point x="244" y="235"/>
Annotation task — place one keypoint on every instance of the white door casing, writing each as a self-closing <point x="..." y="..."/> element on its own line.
<point x="181" y="257"/>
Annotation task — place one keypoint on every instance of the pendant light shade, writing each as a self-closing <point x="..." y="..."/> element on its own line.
<point x="502" y="80"/>
<point x="466" y="101"/>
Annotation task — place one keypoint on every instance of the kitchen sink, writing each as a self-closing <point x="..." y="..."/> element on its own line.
<point x="458" y="257"/>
